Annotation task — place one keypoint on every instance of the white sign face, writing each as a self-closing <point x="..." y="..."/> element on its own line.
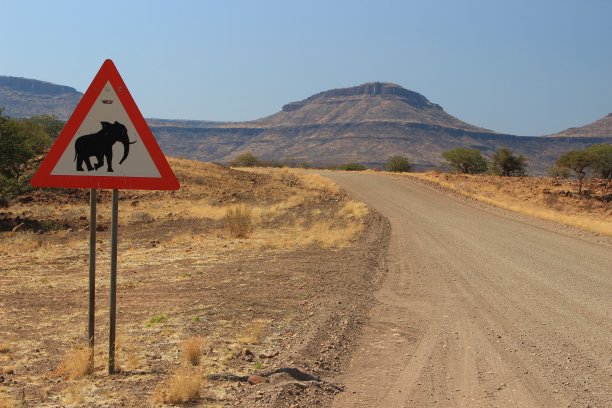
<point x="106" y="144"/>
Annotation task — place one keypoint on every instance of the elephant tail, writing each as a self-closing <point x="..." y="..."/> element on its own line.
<point x="75" y="155"/>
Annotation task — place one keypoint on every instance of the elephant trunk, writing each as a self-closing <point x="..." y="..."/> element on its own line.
<point x="126" y="150"/>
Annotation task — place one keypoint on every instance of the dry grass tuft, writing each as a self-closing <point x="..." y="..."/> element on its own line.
<point x="318" y="182"/>
<point x="354" y="209"/>
<point x="73" y="395"/>
<point x="183" y="387"/>
<point x="8" y="402"/>
<point x="328" y="235"/>
<point x="22" y="242"/>
<point x="75" y="364"/>
<point x="5" y="348"/>
<point x="238" y="220"/>
<point x="192" y="350"/>
<point x="252" y="333"/>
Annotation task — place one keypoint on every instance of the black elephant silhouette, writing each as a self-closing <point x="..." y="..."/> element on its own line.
<point x="100" y="145"/>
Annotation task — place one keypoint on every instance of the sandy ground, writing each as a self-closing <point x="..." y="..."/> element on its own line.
<point x="480" y="308"/>
<point x="548" y="198"/>
<point x="285" y="303"/>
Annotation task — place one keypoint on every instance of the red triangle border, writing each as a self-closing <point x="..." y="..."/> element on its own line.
<point x="107" y="73"/>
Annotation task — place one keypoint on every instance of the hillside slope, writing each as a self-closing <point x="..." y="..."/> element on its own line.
<point x="600" y="128"/>
<point x="22" y="98"/>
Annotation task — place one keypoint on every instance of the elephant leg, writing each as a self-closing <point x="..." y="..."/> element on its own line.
<point x="88" y="164"/>
<point x="109" y="160"/>
<point x="100" y="162"/>
<point x="80" y="163"/>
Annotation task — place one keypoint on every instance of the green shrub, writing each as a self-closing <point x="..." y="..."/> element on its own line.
<point x="505" y="163"/>
<point x="577" y="161"/>
<point x="22" y="140"/>
<point x="352" y="167"/>
<point x="462" y="160"/>
<point x="601" y="156"/>
<point x="247" y="159"/>
<point x="398" y="164"/>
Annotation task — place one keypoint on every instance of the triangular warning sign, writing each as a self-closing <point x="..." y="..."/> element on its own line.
<point x="106" y="143"/>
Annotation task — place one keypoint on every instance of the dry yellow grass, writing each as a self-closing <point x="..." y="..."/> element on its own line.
<point x="252" y="333"/>
<point x="545" y="207"/>
<point x="8" y="402"/>
<point x="184" y="386"/>
<point x="354" y="209"/>
<point x="75" y="364"/>
<point x="73" y="395"/>
<point x="5" y="348"/>
<point x="288" y="213"/>
<point x="22" y="241"/>
<point x="192" y="350"/>
<point x="238" y="220"/>
<point x="317" y="182"/>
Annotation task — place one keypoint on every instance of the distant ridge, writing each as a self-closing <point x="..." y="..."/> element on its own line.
<point x="22" y="97"/>
<point x="366" y="124"/>
<point x="599" y="128"/>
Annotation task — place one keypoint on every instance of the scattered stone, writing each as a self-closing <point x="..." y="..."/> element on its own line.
<point x="269" y="354"/>
<point x="256" y="379"/>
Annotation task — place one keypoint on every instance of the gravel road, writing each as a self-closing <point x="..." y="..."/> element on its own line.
<point x="479" y="309"/>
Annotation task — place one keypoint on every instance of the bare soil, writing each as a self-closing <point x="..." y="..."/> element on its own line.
<point x="480" y="308"/>
<point x="283" y="303"/>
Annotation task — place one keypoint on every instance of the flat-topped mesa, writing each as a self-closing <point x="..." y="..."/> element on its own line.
<point x="374" y="102"/>
<point x="384" y="89"/>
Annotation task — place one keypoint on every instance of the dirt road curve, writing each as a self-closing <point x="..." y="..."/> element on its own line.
<point x="480" y="310"/>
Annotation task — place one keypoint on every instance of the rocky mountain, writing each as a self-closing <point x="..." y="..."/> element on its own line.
<point x="22" y="97"/>
<point x="367" y="103"/>
<point x="599" y="128"/>
<point x="364" y="124"/>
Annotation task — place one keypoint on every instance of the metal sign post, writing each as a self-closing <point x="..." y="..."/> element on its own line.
<point x="113" y="283"/>
<point x="106" y="114"/>
<point x="92" y="276"/>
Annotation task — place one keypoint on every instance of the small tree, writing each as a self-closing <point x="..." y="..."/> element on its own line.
<point x="21" y="140"/>
<point x="247" y="159"/>
<point x="507" y="164"/>
<point x="398" y="164"/>
<point x="462" y="160"/>
<point x="602" y="160"/>
<point x="577" y="161"/>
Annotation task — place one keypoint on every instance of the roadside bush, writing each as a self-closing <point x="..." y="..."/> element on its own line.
<point x="577" y="161"/>
<point x="559" y="172"/>
<point x="22" y="140"/>
<point x="504" y="163"/>
<point x="352" y="167"/>
<point x="601" y="156"/>
<point x="247" y="159"/>
<point x="398" y="164"/>
<point x="238" y="220"/>
<point x="468" y="161"/>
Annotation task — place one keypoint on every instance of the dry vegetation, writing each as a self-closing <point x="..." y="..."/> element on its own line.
<point x="233" y="259"/>
<point x="542" y="197"/>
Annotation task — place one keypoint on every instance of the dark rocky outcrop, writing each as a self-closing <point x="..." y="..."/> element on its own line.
<point x="22" y="97"/>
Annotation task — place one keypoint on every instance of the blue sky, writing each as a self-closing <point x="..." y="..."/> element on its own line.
<point x="516" y="66"/>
